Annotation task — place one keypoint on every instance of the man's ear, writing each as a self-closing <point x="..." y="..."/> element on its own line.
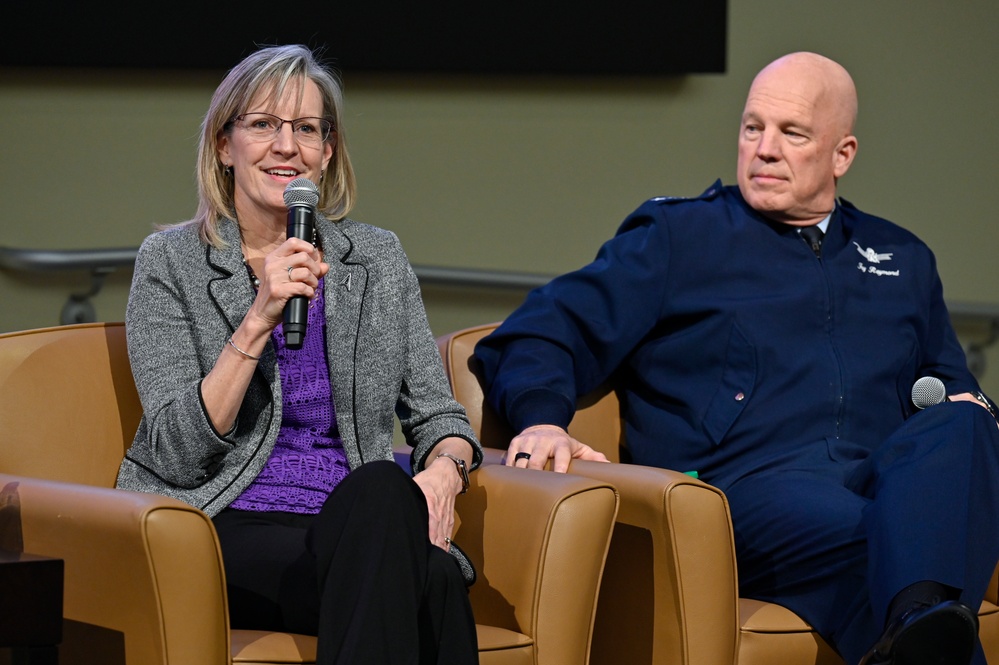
<point x="843" y="156"/>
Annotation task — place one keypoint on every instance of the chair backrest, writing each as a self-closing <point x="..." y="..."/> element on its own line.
<point x="669" y="587"/>
<point x="68" y="405"/>
<point x="143" y="574"/>
<point x="597" y="422"/>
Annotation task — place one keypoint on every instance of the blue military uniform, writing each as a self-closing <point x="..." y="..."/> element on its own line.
<point x="784" y="379"/>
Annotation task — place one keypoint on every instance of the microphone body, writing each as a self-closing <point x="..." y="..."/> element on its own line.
<point x="301" y="197"/>
<point x="928" y="391"/>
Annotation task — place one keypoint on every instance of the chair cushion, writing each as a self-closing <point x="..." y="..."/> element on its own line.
<point x="261" y="646"/>
<point x="255" y="647"/>
<point x="498" y="646"/>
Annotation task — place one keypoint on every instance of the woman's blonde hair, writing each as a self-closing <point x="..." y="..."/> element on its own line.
<point x="268" y="69"/>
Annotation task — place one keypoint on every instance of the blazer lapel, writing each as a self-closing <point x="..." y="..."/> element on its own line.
<point x="344" y="289"/>
<point x="229" y="287"/>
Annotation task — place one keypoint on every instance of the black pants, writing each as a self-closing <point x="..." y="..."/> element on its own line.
<point x="362" y="575"/>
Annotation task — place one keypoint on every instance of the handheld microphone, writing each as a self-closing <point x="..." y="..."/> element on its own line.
<point x="301" y="196"/>
<point x="928" y="391"/>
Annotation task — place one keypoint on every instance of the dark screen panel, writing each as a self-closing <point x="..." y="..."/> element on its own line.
<point x="588" y="37"/>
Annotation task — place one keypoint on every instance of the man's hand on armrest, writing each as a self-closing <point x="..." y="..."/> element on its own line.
<point x="533" y="447"/>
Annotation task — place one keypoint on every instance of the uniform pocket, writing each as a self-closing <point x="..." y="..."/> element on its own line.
<point x="735" y="388"/>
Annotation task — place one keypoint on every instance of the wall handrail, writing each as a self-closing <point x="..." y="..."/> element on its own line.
<point x="37" y="260"/>
<point x="34" y="260"/>
<point x="101" y="262"/>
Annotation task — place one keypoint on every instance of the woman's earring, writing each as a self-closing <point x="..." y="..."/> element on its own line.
<point x="228" y="170"/>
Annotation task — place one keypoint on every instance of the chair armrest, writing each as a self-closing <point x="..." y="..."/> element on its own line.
<point x="670" y="587"/>
<point x="143" y="573"/>
<point x="539" y="541"/>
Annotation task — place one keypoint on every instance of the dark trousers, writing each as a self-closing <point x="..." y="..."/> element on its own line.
<point x="835" y="542"/>
<point x="362" y="575"/>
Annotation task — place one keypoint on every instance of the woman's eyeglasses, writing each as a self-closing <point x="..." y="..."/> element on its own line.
<point x="312" y="132"/>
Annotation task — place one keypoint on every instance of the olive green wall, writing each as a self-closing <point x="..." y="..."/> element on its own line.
<point x="529" y="174"/>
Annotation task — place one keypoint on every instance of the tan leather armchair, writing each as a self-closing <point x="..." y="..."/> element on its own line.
<point x="144" y="581"/>
<point x="670" y="588"/>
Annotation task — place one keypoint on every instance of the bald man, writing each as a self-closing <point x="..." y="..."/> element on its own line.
<point x="767" y="336"/>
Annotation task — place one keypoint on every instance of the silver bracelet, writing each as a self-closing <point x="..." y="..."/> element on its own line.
<point x="460" y="466"/>
<point x="242" y="352"/>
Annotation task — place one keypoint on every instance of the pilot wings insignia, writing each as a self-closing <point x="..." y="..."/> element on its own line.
<point x="873" y="256"/>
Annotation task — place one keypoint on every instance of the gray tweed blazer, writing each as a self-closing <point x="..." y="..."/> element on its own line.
<point x="186" y="300"/>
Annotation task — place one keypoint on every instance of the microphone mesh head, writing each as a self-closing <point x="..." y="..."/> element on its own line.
<point x="301" y="191"/>
<point x="928" y="391"/>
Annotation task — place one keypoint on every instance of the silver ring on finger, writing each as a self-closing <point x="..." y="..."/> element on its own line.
<point x="290" y="268"/>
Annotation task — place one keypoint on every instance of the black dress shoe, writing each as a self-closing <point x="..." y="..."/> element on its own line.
<point x="941" y="634"/>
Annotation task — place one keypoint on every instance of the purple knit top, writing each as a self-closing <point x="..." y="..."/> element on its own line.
<point x="308" y="460"/>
